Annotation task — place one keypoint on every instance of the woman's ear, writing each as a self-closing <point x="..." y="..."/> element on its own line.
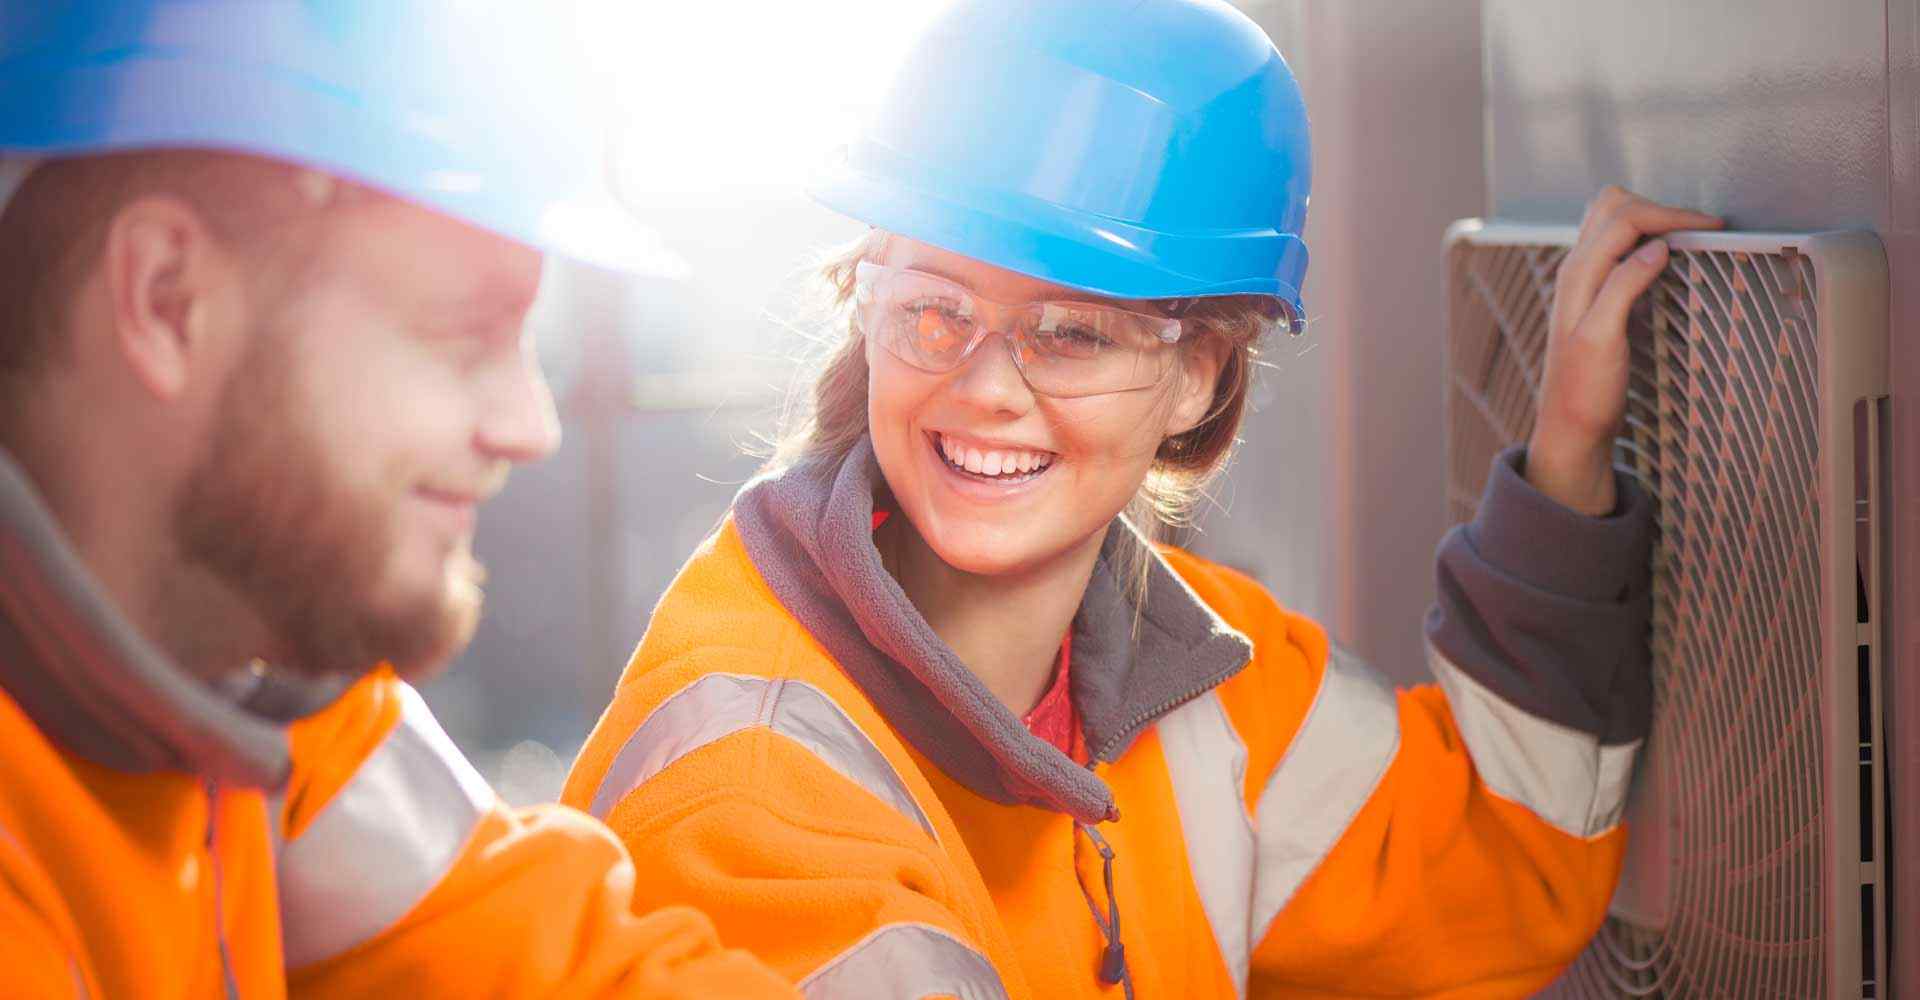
<point x="1200" y="365"/>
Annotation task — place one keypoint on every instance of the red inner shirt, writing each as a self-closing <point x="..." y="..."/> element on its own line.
<point x="1053" y="718"/>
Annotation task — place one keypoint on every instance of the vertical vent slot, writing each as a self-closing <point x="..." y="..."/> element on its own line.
<point x="1870" y="452"/>
<point x="1885" y="930"/>
<point x="1869" y="986"/>
<point x="1868" y="791"/>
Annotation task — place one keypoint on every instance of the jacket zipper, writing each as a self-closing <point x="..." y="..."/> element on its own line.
<point x="1113" y="958"/>
<point x="219" y="893"/>
<point x="1127" y="732"/>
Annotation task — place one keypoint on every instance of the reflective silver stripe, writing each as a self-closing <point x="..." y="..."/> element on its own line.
<point x="383" y="842"/>
<point x="1331" y="769"/>
<point x="906" y="962"/>
<point x="1208" y="765"/>
<point x="1560" y="774"/>
<point x="718" y="705"/>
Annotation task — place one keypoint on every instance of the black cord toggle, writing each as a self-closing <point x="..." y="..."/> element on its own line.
<point x="1113" y="961"/>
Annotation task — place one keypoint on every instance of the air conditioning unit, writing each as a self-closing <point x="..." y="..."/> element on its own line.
<point x="1757" y="856"/>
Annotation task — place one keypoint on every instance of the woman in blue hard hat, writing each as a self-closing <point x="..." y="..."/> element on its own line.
<point x="929" y="715"/>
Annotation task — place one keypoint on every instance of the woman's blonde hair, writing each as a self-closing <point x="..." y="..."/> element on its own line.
<point x="826" y="413"/>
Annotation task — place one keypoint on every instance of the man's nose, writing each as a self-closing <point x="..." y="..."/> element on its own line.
<point x="519" y="423"/>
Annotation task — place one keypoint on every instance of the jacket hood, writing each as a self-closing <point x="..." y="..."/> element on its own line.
<point x="808" y="530"/>
<point x="100" y="689"/>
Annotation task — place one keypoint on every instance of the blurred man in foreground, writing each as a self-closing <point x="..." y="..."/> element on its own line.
<point x="264" y="268"/>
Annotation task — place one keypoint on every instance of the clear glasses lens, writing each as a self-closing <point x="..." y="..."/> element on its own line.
<point x="1061" y="348"/>
<point x="926" y="321"/>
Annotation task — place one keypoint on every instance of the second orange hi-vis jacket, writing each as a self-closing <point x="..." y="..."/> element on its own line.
<point x="1260" y="814"/>
<point x="161" y="838"/>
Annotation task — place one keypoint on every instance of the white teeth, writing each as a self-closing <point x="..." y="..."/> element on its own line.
<point x="993" y="463"/>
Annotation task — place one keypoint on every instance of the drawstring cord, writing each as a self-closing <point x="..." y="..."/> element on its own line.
<point x="1113" y="961"/>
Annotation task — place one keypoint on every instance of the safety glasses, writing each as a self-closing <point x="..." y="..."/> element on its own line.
<point x="1063" y="349"/>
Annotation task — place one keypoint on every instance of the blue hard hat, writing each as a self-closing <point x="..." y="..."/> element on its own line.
<point x="478" y="109"/>
<point x="1154" y="149"/>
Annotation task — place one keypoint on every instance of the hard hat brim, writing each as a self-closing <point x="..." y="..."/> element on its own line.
<point x="1075" y="249"/>
<point x="148" y="101"/>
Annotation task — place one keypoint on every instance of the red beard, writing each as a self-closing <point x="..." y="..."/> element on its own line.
<point x="266" y="513"/>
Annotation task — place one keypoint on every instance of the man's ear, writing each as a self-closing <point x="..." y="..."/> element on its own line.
<point x="1200" y="365"/>
<point x="162" y="268"/>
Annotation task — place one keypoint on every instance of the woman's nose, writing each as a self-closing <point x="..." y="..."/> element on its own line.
<point x="990" y="380"/>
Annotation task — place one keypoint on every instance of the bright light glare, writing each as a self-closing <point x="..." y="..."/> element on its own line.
<point x="720" y="95"/>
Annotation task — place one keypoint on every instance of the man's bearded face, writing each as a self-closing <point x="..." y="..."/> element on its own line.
<point x="312" y="547"/>
<point x="377" y="405"/>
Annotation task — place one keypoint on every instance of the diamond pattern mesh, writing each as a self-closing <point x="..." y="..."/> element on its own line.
<point x="1723" y="896"/>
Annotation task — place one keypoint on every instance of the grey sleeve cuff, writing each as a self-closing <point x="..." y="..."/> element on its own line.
<point x="1550" y="609"/>
<point x="1526" y="534"/>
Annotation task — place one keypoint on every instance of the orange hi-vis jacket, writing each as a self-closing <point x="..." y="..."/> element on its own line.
<point x="163" y="838"/>
<point x="1261" y="816"/>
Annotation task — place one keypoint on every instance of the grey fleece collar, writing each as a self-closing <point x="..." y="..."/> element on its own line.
<point x="93" y="684"/>
<point x="808" y="529"/>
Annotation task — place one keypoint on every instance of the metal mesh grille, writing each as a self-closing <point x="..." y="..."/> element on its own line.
<point x="1724" y="896"/>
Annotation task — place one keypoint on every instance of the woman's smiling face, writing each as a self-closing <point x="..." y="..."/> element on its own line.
<point x="994" y="477"/>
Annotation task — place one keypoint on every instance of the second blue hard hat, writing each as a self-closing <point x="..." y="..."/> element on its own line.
<point x="1153" y="149"/>
<point x="476" y="108"/>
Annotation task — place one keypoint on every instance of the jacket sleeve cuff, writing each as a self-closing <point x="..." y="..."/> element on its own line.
<point x="1529" y="536"/>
